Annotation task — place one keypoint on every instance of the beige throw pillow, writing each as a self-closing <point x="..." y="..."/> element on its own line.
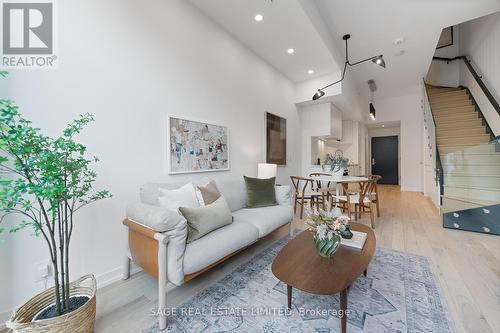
<point x="209" y="192"/>
<point x="202" y="220"/>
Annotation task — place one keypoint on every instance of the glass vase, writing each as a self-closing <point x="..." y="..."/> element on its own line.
<point x="327" y="248"/>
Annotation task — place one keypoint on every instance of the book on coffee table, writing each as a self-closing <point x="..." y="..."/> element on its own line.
<point x="356" y="242"/>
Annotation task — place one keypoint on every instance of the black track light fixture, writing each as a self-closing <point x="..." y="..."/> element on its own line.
<point x="319" y="94"/>
<point x="373" y="87"/>
<point x="379" y="60"/>
<point x="372" y="112"/>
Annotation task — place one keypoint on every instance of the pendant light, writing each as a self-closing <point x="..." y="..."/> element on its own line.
<point x="372" y="112"/>
<point x="373" y="87"/>
<point x="378" y="59"/>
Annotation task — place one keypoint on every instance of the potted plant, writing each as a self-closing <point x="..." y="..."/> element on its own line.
<point x="337" y="164"/>
<point x="328" y="229"/>
<point x="46" y="181"/>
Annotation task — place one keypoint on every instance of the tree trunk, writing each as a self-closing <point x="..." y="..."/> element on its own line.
<point x="66" y="249"/>
<point x="61" y="259"/>
<point x="57" y="286"/>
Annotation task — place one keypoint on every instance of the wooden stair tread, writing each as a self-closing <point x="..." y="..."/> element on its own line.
<point x="468" y="136"/>
<point x="459" y="115"/>
<point x="461" y="121"/>
<point x="456" y="113"/>
<point x="435" y="93"/>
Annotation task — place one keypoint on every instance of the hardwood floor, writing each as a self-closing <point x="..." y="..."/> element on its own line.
<point x="466" y="264"/>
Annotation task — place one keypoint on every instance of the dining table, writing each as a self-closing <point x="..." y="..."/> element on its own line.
<point x="338" y="183"/>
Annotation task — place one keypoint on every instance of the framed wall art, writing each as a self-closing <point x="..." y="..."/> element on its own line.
<point x="446" y="38"/>
<point x="275" y="139"/>
<point x="195" y="146"/>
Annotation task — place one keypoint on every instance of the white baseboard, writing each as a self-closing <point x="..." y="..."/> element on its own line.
<point x="405" y="188"/>
<point x="103" y="280"/>
<point x="114" y="275"/>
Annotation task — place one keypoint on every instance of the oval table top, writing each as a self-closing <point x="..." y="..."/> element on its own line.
<point x="299" y="264"/>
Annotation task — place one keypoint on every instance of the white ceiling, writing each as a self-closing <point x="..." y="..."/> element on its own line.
<point x="384" y="124"/>
<point x="373" y="26"/>
<point x="285" y="25"/>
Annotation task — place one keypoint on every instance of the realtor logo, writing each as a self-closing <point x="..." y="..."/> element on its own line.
<point x="28" y="35"/>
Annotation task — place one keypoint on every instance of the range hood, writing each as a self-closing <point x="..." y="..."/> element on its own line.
<point x="323" y="121"/>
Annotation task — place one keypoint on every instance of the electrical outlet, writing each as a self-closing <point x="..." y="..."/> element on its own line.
<point x="42" y="270"/>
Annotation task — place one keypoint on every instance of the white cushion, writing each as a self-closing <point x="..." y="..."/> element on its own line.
<point x="283" y="195"/>
<point x="184" y="196"/>
<point x="233" y="189"/>
<point x="216" y="245"/>
<point x="199" y="197"/>
<point x="157" y="218"/>
<point x="265" y="219"/>
<point x="235" y="192"/>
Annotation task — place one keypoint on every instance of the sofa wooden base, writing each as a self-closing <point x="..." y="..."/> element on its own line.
<point x="148" y="249"/>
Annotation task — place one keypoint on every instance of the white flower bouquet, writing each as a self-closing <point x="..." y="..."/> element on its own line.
<point x="327" y="229"/>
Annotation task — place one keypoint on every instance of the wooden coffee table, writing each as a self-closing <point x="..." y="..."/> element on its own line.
<point x="300" y="266"/>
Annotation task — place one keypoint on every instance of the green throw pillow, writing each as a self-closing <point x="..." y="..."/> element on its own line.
<point x="260" y="192"/>
<point x="202" y="220"/>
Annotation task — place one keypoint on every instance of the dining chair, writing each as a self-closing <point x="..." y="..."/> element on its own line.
<point x="374" y="194"/>
<point x="306" y="192"/>
<point x="319" y="183"/>
<point x="362" y="200"/>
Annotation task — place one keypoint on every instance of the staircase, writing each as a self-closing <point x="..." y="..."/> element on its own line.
<point x="471" y="166"/>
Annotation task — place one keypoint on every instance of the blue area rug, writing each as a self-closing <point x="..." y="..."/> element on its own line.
<point x="400" y="294"/>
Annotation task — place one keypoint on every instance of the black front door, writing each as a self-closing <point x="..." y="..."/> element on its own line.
<point x="385" y="159"/>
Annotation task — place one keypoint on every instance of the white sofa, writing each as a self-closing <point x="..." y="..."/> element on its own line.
<point x="157" y="236"/>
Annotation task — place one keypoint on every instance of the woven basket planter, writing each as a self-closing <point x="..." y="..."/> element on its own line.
<point x="80" y="320"/>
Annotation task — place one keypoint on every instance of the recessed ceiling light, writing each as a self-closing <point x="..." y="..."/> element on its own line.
<point x="399" y="41"/>
<point x="383" y="125"/>
<point x="311" y="71"/>
<point x="258" y="17"/>
<point x="290" y="51"/>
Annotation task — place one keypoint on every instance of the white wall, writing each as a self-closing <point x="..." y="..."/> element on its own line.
<point x="305" y="90"/>
<point x="353" y="146"/>
<point x="317" y="120"/>
<point x="384" y="131"/>
<point x="319" y="149"/>
<point x="480" y="42"/>
<point x="131" y="63"/>
<point x="446" y="74"/>
<point x="407" y="109"/>
<point x="349" y="101"/>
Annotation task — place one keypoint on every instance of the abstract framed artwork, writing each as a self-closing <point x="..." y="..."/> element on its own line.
<point x="275" y="139"/>
<point x="195" y="146"/>
<point x="446" y="38"/>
